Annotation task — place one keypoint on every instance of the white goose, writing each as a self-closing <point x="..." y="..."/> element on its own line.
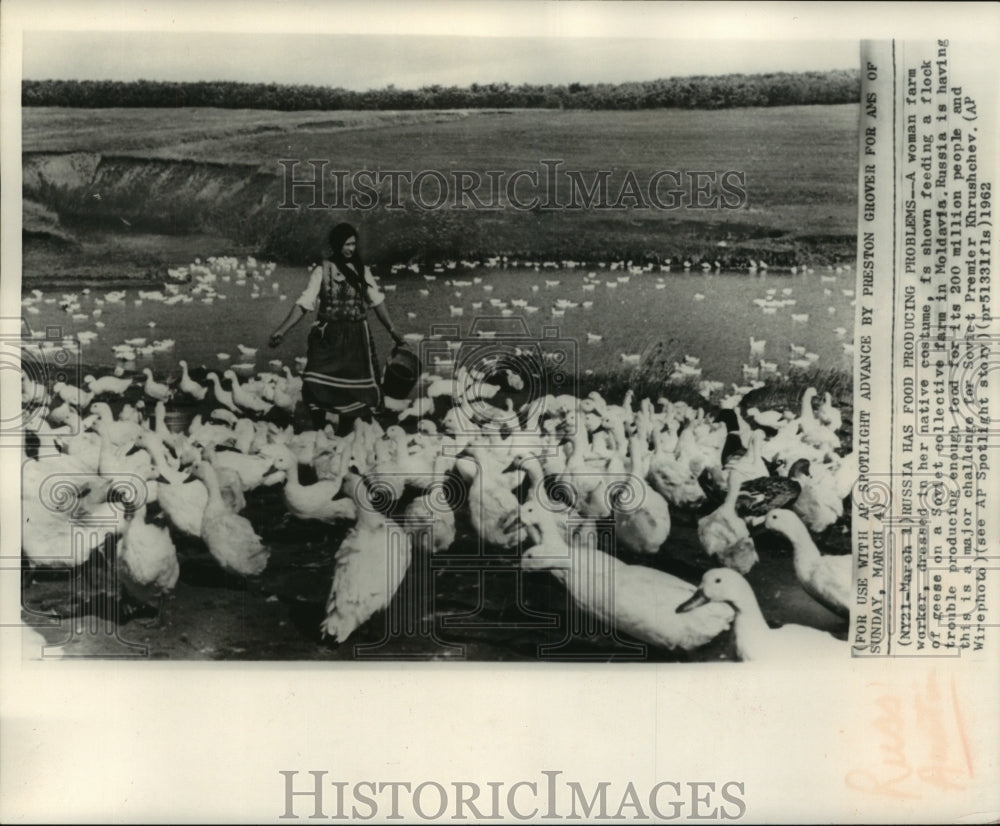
<point x="827" y="579"/>
<point x="674" y="480"/>
<point x="368" y="568"/>
<point x="491" y="504"/>
<point x="635" y="599"/>
<point x="244" y="398"/>
<point x="316" y="501"/>
<point x="119" y="432"/>
<point x="829" y="415"/>
<point x="190" y="386"/>
<point x="182" y="497"/>
<point x="819" y="503"/>
<point x="222" y="396"/>
<point x="72" y="395"/>
<point x="50" y="535"/>
<point x="154" y="389"/>
<point x="253" y="471"/>
<point x="755" y="640"/>
<point x="724" y="535"/>
<point x="644" y="525"/>
<point x="147" y="561"/>
<point x="814" y="433"/>
<point x="229" y="537"/>
<point x="425" y="515"/>
<point x="111" y="385"/>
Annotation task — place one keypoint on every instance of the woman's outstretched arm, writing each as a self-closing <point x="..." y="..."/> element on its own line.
<point x="294" y="316"/>
<point x="383" y="315"/>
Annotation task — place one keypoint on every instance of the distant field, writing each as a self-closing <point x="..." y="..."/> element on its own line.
<point x="50" y="129"/>
<point x="800" y="166"/>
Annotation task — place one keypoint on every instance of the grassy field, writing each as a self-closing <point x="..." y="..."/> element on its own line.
<point x="185" y="133"/>
<point x="216" y="171"/>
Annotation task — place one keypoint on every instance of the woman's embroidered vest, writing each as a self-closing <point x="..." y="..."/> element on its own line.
<point x="338" y="300"/>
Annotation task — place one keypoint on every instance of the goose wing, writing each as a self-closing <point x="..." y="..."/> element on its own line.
<point x="831" y="583"/>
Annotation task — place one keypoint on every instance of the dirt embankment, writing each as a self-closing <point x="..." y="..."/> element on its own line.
<point x="68" y="195"/>
<point x="145" y="193"/>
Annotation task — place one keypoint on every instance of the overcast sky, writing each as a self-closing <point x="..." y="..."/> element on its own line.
<point x="565" y="53"/>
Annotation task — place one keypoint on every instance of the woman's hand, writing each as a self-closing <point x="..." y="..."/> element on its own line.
<point x="397" y="338"/>
<point x="275" y="339"/>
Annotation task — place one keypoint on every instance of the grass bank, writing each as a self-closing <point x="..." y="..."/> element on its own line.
<point x="217" y="173"/>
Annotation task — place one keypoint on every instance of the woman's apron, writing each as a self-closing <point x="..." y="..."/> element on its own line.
<point x="341" y="366"/>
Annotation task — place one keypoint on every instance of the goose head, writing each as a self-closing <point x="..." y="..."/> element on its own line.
<point x="427" y="427"/>
<point x="129" y="413"/>
<point x="799" y="469"/>
<point x="395" y="433"/>
<point x="202" y="469"/>
<point x="102" y="410"/>
<point x="532" y="518"/>
<point x="281" y="458"/>
<point x="719" y="585"/>
<point x="784" y="522"/>
<point x="676" y="482"/>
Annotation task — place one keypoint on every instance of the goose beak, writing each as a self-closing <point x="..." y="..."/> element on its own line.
<point x="696" y="599"/>
<point x="511" y="523"/>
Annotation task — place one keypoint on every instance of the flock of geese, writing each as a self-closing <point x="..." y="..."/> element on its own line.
<point x="540" y="476"/>
<point x="571" y="289"/>
<point x="609" y="277"/>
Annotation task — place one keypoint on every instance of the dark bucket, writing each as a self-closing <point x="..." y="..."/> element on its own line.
<point x="178" y="421"/>
<point x="400" y="374"/>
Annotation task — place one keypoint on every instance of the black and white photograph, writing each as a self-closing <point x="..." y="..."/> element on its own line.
<point x="436" y="362"/>
<point x="463" y="344"/>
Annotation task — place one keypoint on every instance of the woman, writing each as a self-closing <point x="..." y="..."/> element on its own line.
<point x="341" y="374"/>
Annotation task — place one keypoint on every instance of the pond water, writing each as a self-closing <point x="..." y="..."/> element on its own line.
<point x="709" y="316"/>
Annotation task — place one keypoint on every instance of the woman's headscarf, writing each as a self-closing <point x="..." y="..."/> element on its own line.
<point x="354" y="267"/>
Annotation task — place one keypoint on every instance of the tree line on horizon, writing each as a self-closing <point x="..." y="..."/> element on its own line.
<point x="699" y="92"/>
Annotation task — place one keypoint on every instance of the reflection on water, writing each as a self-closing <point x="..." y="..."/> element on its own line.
<point x="710" y="317"/>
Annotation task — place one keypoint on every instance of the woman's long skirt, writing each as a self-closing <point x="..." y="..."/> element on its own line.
<point x="341" y="368"/>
